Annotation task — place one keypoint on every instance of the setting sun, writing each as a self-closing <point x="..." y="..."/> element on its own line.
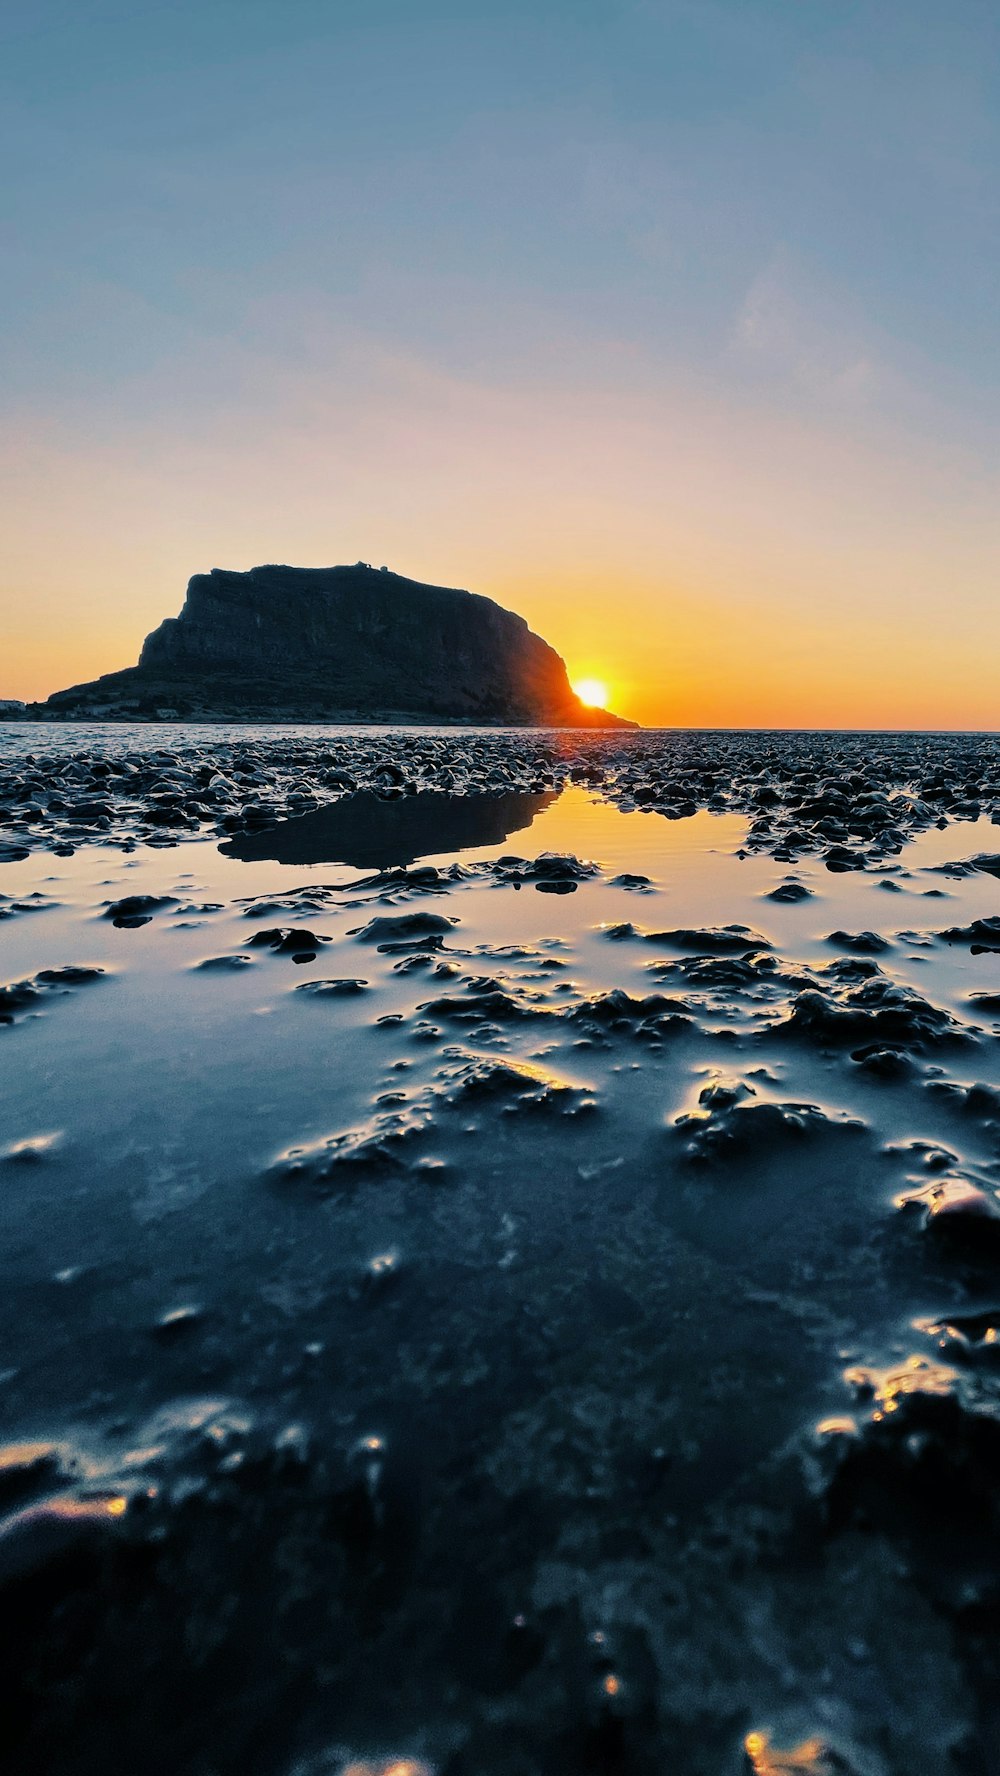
<point x="592" y="691"/>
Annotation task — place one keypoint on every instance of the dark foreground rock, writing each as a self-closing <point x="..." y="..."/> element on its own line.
<point x="336" y="643"/>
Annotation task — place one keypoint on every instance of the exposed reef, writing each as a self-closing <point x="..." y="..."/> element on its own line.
<point x="388" y="799"/>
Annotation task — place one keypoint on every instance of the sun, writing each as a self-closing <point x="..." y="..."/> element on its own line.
<point x="592" y="691"/>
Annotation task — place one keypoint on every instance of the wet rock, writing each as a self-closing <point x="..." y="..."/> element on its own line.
<point x="231" y="964"/>
<point x="35" y="1538"/>
<point x="389" y="772"/>
<point x="723" y="1094"/>
<point x="560" y="866"/>
<point x="384" y="1146"/>
<point x="28" y="995"/>
<point x="958" y="1211"/>
<point x="725" y="940"/>
<point x="294" y="941"/>
<point x="302" y="900"/>
<point x="380" y="1274"/>
<point x="550" y="873"/>
<point x="790" y="892"/>
<point x="30" y="903"/>
<point x="965" y="1337"/>
<point x="731" y="1120"/>
<point x="32" y="1150"/>
<point x="884" y="1062"/>
<point x="978" y="1101"/>
<point x="515" y="1086"/>
<point x="482" y="1000"/>
<point x="345" y="987"/>
<point x="840" y="858"/>
<point x="405" y="928"/>
<point x="924" y="1156"/>
<point x="981" y="935"/>
<point x="987" y="861"/>
<point x="860" y="943"/>
<point x="27" y="1469"/>
<point x="618" y="1010"/>
<point x="754" y="974"/>
<point x="875" y="1010"/>
<point x="988" y="1002"/>
<point x="134" y="910"/>
<point x="177" y="1321"/>
<point x="918" y="1460"/>
<point x="849" y="971"/>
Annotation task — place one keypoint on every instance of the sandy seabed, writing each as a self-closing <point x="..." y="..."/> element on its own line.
<point x="501" y="1253"/>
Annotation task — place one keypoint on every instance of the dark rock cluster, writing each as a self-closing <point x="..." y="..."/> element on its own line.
<point x="849" y="800"/>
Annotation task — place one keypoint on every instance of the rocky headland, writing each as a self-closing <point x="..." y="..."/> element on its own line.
<point x="335" y="644"/>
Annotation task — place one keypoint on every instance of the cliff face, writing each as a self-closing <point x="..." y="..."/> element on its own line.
<point x="338" y="643"/>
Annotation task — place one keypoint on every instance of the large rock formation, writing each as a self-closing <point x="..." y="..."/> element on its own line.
<point x="337" y="643"/>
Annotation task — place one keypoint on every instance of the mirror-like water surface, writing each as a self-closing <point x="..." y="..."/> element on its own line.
<point x="369" y="831"/>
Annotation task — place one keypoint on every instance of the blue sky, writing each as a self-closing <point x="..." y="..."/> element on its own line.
<point x="445" y="284"/>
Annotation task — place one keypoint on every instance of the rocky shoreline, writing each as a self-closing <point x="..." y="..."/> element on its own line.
<point x="843" y="797"/>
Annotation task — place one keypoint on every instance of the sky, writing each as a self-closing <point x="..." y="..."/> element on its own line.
<point x="671" y="324"/>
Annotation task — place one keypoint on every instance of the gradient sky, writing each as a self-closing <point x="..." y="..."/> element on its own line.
<point x="670" y="323"/>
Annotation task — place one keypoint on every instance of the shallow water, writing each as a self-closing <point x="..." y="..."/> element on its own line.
<point x="424" y="1320"/>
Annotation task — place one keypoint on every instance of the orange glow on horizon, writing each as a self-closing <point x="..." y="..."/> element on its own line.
<point x="683" y="655"/>
<point x="713" y="559"/>
<point x="790" y="580"/>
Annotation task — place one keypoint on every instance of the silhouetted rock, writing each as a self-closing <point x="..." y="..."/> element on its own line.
<point x="337" y="643"/>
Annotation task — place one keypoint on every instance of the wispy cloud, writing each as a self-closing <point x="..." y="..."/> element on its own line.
<point x="794" y="329"/>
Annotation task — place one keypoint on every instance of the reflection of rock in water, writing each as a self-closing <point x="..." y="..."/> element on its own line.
<point x="370" y="832"/>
